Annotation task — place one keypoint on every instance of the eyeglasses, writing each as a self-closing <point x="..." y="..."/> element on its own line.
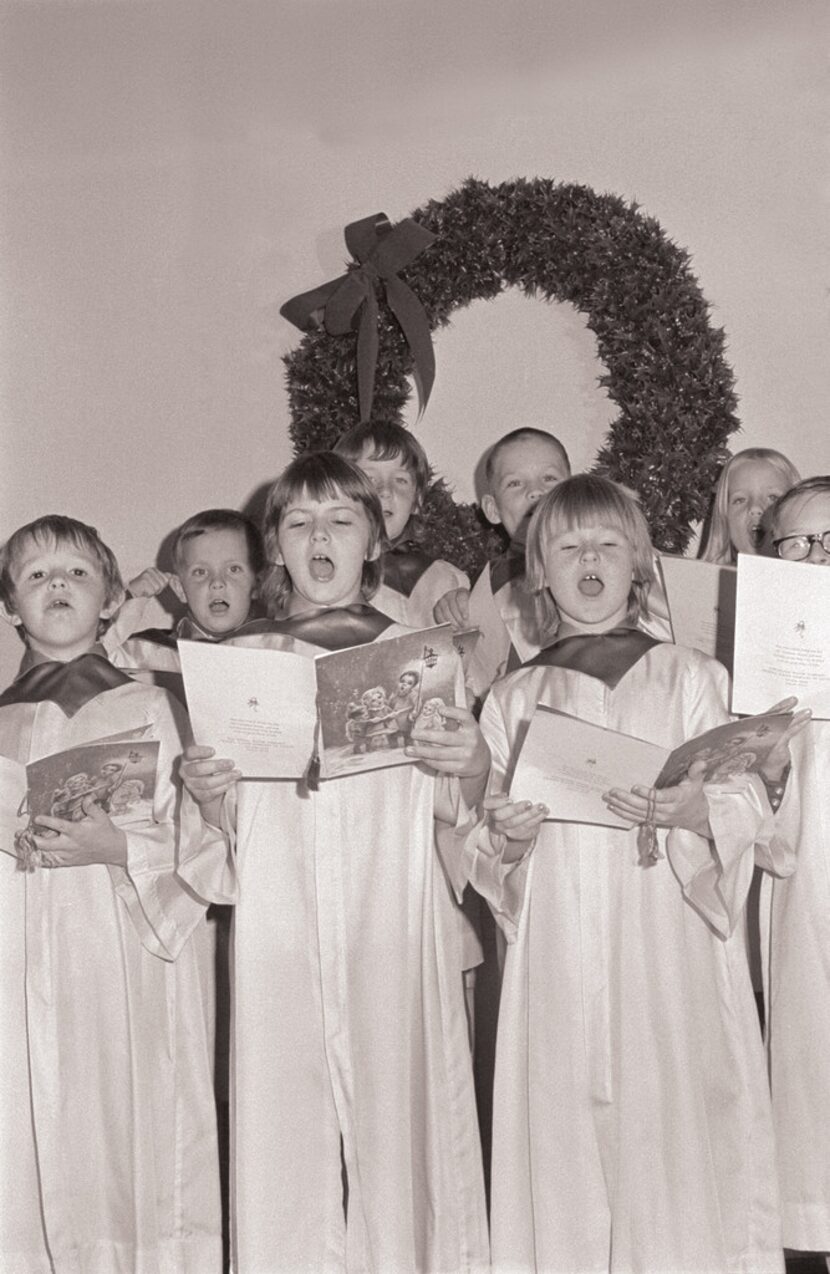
<point x="795" y="548"/>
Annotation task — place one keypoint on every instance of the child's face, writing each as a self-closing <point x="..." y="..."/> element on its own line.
<point x="323" y="545"/>
<point x="59" y="597"/>
<point x="215" y="579"/>
<point x="523" y="472"/>
<point x="396" y="489"/>
<point x="753" y="486"/>
<point x="589" y="571"/>
<point x="808" y="514"/>
<point x="406" y="682"/>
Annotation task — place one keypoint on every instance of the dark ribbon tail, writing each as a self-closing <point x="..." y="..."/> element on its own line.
<point x="367" y="356"/>
<point x="414" y="323"/>
<point x="345" y="300"/>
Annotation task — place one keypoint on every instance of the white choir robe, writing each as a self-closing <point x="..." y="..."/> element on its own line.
<point x="416" y="609"/>
<point x="631" y="1127"/>
<point x="348" y="1023"/>
<point x="107" y="1121"/>
<point x="795" y="919"/>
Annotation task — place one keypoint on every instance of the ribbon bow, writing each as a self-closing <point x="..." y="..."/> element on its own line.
<point x="380" y="251"/>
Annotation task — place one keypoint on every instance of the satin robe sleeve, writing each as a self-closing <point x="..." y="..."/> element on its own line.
<point x="794" y="823"/>
<point x="133" y="615"/>
<point x="162" y="910"/>
<point x="207" y="861"/>
<point x="715" y="875"/>
<point x="479" y="851"/>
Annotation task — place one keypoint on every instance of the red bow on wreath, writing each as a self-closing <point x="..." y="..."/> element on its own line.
<point x="380" y="250"/>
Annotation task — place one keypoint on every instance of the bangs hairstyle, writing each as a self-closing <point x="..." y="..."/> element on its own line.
<point x="384" y="440"/>
<point x="515" y="435"/>
<point x="58" y="529"/>
<point x="717" y="546"/>
<point x="221" y="520"/>
<point x="584" y="501"/>
<point x="808" y="486"/>
<point x="320" y="475"/>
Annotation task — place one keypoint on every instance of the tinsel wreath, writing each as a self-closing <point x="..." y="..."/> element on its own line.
<point x="664" y="361"/>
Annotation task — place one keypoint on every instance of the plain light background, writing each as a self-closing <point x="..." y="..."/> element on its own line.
<point x="173" y="171"/>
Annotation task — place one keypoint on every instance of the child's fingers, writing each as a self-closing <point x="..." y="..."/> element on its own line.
<point x="785" y="705"/>
<point x="198" y="752"/>
<point x="496" y="801"/>
<point x="212" y="784"/>
<point x="634" y="809"/>
<point x="521" y="816"/>
<point x="453" y="608"/>
<point x="204" y="769"/>
<point x="799" y="721"/>
<point x="60" y="825"/>
<point x="52" y="844"/>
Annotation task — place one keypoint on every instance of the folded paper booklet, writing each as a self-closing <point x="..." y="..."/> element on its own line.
<point x="272" y="711"/>
<point x="782" y="635"/>
<point x="118" y="773"/>
<point x="465" y="642"/>
<point x="701" y="601"/>
<point x="567" y="764"/>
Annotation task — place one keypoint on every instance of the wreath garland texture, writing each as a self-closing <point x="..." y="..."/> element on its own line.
<point x="665" y="366"/>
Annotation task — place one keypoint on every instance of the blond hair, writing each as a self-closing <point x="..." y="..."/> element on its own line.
<point x="717" y="546"/>
<point x="582" y="501"/>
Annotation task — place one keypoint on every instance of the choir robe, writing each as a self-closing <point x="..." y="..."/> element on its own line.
<point x="504" y="610"/>
<point x="632" y="1130"/>
<point x="795" y="918"/>
<point x="107" y="1125"/>
<point x="349" y="1034"/>
<point x="413" y="583"/>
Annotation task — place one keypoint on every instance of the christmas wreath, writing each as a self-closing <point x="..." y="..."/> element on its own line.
<point x="664" y="361"/>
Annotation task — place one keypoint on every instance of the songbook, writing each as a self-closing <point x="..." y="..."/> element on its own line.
<point x="275" y="713"/>
<point x="782" y="635"/>
<point x="567" y="764"/>
<point x="117" y="773"/>
<point x="701" y="601"/>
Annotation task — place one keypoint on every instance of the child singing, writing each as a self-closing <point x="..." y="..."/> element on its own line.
<point x="107" y="1124"/>
<point x="632" y="1128"/>
<point x="355" y="1137"/>
<point x="395" y="463"/>
<point x="749" y="484"/>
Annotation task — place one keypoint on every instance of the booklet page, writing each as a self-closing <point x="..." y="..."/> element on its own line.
<point x="567" y="764"/>
<point x="701" y="600"/>
<point x="371" y="697"/>
<point x="255" y="707"/>
<point x="782" y="635"/>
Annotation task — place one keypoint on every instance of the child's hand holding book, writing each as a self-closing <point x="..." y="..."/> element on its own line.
<point x="91" y="839"/>
<point x="517" y="821"/>
<point x="207" y="778"/>
<point x="684" y="805"/>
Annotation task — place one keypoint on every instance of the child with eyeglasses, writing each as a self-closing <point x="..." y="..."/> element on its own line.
<point x="797" y="912"/>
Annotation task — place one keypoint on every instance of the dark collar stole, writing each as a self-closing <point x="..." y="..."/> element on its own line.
<point x="403" y="565"/>
<point x="606" y="656"/>
<point x="507" y="567"/>
<point x="70" y="685"/>
<point x="334" y="627"/>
